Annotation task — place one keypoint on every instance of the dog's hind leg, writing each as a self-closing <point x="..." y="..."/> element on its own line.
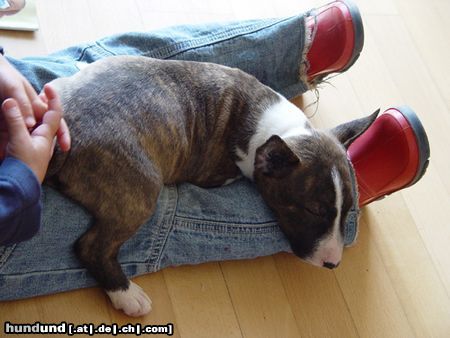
<point x="98" y="249"/>
<point x="99" y="246"/>
<point x="115" y="180"/>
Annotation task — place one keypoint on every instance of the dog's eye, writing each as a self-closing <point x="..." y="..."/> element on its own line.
<point x="312" y="212"/>
<point x="316" y="210"/>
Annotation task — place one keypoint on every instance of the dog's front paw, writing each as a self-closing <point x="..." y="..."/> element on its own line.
<point x="133" y="302"/>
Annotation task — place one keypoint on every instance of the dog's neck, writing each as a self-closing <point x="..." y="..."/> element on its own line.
<point x="281" y="118"/>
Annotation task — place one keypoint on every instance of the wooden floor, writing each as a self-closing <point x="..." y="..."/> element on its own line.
<point x="394" y="283"/>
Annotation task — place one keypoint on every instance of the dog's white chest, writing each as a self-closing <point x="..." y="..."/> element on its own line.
<point x="283" y="119"/>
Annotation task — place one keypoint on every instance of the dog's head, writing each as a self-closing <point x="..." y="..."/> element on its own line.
<point x="306" y="181"/>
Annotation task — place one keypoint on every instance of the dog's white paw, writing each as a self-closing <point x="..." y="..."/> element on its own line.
<point x="133" y="301"/>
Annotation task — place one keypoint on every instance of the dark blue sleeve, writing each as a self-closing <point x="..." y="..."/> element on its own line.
<point x="20" y="202"/>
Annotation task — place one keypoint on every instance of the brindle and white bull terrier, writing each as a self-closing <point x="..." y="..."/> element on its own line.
<point x="138" y="123"/>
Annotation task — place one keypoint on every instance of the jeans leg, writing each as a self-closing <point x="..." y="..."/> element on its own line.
<point x="47" y="264"/>
<point x="191" y="225"/>
<point x="270" y="49"/>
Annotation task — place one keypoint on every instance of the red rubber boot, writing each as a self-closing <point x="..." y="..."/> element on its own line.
<point x="391" y="155"/>
<point x="337" y="39"/>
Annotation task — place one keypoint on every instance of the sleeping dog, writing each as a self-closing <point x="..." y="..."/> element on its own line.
<point x="138" y="123"/>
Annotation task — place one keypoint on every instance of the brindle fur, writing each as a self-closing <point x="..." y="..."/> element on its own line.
<point x="138" y="123"/>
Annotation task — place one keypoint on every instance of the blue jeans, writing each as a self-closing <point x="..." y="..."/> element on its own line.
<point x="191" y="224"/>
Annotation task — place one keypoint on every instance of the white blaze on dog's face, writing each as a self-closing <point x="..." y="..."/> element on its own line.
<point x="329" y="249"/>
<point x="306" y="181"/>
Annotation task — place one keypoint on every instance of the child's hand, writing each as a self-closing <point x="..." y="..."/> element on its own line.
<point x="14" y="85"/>
<point x="35" y="149"/>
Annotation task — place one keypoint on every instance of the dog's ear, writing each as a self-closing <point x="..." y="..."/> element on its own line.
<point x="346" y="133"/>
<point x="274" y="158"/>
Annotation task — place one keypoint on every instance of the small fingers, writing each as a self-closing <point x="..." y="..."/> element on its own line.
<point x="63" y="134"/>
<point x="25" y="106"/>
<point x="38" y="105"/>
<point x="43" y="98"/>
<point x="52" y="98"/>
<point x="14" y="121"/>
<point x="50" y="124"/>
<point x="54" y="103"/>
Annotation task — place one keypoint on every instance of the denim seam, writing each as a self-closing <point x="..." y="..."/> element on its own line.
<point x="5" y="253"/>
<point x="183" y="46"/>
<point x="103" y="51"/>
<point x="83" y="52"/>
<point x="165" y="228"/>
<point x="98" y="48"/>
<point x="205" y="226"/>
<point x="80" y="269"/>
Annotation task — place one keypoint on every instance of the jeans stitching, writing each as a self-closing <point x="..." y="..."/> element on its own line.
<point x="66" y="270"/>
<point x="96" y="48"/>
<point x="83" y="52"/>
<point x="5" y="253"/>
<point x="206" y="226"/>
<point x="183" y="46"/>
<point x="165" y="228"/>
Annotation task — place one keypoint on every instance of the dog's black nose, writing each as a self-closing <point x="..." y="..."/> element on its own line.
<point x="329" y="265"/>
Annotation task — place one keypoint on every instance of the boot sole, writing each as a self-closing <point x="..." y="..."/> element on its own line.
<point x="421" y="138"/>
<point x="359" y="32"/>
